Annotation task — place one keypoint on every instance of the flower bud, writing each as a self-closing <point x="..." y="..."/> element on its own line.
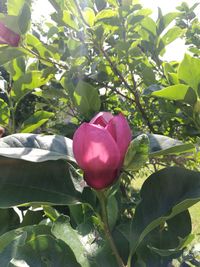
<point x="99" y="148"/>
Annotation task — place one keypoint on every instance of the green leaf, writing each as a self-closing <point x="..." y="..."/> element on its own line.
<point x="165" y="20"/>
<point x="65" y="18"/>
<point x="170" y="192"/>
<point x="69" y="20"/>
<point x="16" y="68"/>
<point x="41" y="250"/>
<point x="24" y="18"/>
<point x="189" y="71"/>
<point x="4" y="113"/>
<point x="89" y="16"/>
<point x="149" y="24"/>
<point x="36" y="148"/>
<point x="62" y="230"/>
<point x="32" y="217"/>
<point x="170" y="36"/>
<point x="35" y="121"/>
<point x="58" y="4"/>
<point x="14" y="6"/>
<point x="28" y="82"/>
<point x="106" y="14"/>
<point x="87" y="99"/>
<point x="9" y="220"/>
<point x="148" y="75"/>
<point x="24" y="182"/>
<point x="41" y="48"/>
<point x="7" y="54"/>
<point x="161" y="145"/>
<point x="100" y="4"/>
<point x="112" y="211"/>
<point x="137" y="153"/>
<point x="172" y="237"/>
<point x="28" y="232"/>
<point x="174" y="92"/>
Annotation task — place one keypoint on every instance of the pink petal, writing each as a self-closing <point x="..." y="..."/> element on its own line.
<point x="94" y="149"/>
<point x="102" y="118"/>
<point x="7" y="36"/>
<point x="100" y="180"/>
<point x="121" y="132"/>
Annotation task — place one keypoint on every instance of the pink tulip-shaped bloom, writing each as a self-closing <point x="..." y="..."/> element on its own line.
<point x="100" y="146"/>
<point x="8" y="37"/>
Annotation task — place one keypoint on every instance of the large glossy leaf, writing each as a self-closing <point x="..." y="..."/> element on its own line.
<point x="36" y="147"/>
<point x="189" y="71"/>
<point x="28" y="231"/>
<point x="63" y="230"/>
<point x="35" y="246"/>
<point x="164" y="194"/>
<point x="165" y="242"/>
<point x="164" y="145"/>
<point x="9" y="220"/>
<point x="48" y="182"/>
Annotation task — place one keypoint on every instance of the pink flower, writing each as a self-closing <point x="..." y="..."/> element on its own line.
<point x="100" y="146"/>
<point x="8" y="37"/>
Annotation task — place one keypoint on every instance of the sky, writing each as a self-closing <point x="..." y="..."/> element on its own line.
<point x="174" y="51"/>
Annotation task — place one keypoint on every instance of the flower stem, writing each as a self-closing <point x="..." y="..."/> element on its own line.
<point x="102" y="200"/>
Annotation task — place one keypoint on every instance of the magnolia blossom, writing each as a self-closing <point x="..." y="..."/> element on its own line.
<point x="8" y="37"/>
<point x="100" y="146"/>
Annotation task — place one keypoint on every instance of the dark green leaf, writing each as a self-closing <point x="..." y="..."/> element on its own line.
<point x="174" y="189"/>
<point x="62" y="230"/>
<point x="41" y="250"/>
<point x="48" y="182"/>
<point x="28" y="232"/>
<point x="9" y="220"/>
